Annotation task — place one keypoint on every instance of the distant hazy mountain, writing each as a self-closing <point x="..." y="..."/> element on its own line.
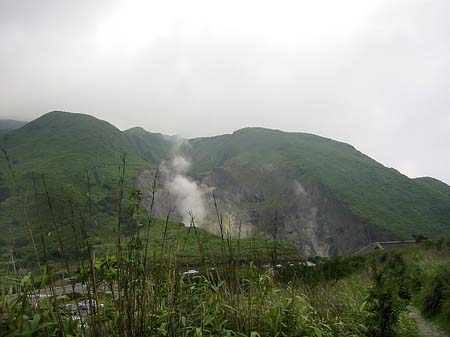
<point x="6" y="125"/>
<point x="10" y="124"/>
<point x="324" y="196"/>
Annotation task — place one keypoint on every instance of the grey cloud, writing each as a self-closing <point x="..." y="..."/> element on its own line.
<point x="380" y="83"/>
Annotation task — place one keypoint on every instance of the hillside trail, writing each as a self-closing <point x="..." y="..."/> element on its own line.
<point x="426" y="328"/>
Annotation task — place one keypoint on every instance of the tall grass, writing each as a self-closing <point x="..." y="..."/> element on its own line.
<point x="429" y="278"/>
<point x="139" y="291"/>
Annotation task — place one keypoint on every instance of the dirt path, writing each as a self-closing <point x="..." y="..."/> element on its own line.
<point x="426" y="328"/>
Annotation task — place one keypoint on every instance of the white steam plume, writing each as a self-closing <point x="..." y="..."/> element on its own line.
<point x="298" y="188"/>
<point x="189" y="196"/>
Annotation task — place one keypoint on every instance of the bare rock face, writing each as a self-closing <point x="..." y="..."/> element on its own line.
<point x="165" y="203"/>
<point x="265" y="202"/>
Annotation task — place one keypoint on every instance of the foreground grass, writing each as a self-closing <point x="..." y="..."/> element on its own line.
<point x="429" y="273"/>
<point x="138" y="285"/>
<point x="128" y="296"/>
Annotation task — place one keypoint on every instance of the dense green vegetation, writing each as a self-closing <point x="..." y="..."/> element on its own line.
<point x="134" y="291"/>
<point x="153" y="147"/>
<point x="74" y="159"/>
<point x="194" y="246"/>
<point x="379" y="195"/>
<point x="429" y="274"/>
<point x="134" y="267"/>
<point x="7" y="125"/>
<point x="231" y="302"/>
<point x="55" y="182"/>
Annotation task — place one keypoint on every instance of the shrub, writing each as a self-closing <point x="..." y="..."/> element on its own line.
<point x="385" y="304"/>
<point x="388" y="298"/>
<point x="5" y="192"/>
<point x="416" y="279"/>
<point x="446" y="308"/>
<point x="436" y="290"/>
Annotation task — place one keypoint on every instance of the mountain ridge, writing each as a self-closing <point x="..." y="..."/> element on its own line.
<point x="256" y="172"/>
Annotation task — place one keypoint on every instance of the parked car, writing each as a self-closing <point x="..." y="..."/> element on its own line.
<point x="88" y="304"/>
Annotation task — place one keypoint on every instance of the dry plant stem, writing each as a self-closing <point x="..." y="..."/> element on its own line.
<point x="8" y="161"/>
<point x="41" y="229"/>
<point x="75" y="234"/>
<point x="219" y="220"/>
<point x="166" y="224"/>
<point x="147" y="237"/>
<point x="199" y="241"/>
<point x="93" y="305"/>
<point x="239" y="238"/>
<point x="120" y="262"/>
<point x="84" y="242"/>
<point x="52" y="213"/>
<point x="13" y="260"/>
<point x="274" y="238"/>
<point x="89" y="194"/>
<point x="36" y="253"/>
<point x="16" y="188"/>
<point x="91" y="251"/>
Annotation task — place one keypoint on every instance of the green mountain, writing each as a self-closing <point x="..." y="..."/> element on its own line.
<point x="379" y="195"/>
<point x="68" y="155"/>
<point x="10" y="124"/>
<point x="67" y="147"/>
<point x="6" y="125"/>
<point x="434" y="185"/>
<point x="76" y="158"/>
<point x="153" y="147"/>
<point x="323" y="196"/>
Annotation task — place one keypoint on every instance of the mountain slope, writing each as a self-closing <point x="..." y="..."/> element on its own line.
<point x="10" y="124"/>
<point x="373" y="193"/>
<point x="153" y="147"/>
<point x="434" y="185"/>
<point x="7" y="125"/>
<point x="64" y="146"/>
<point x="77" y="157"/>
<point x="323" y="196"/>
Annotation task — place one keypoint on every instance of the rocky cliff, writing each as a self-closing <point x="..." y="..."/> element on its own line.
<point x="266" y="203"/>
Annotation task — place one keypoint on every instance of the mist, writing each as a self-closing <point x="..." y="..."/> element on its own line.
<point x="189" y="196"/>
<point x="298" y="188"/>
<point x="373" y="74"/>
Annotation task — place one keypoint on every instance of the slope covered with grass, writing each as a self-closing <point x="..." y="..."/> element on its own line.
<point x="7" y="125"/>
<point x="10" y="124"/>
<point x="65" y="169"/>
<point x="153" y="147"/>
<point x="379" y="195"/>
<point x="76" y="158"/>
<point x="426" y="270"/>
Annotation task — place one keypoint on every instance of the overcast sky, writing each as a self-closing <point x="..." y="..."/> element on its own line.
<point x="375" y="74"/>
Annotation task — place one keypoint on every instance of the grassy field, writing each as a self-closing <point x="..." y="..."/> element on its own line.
<point x="194" y="246"/>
